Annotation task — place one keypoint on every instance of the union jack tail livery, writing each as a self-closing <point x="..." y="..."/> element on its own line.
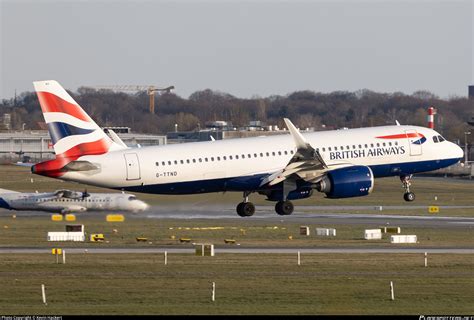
<point x="73" y="132"/>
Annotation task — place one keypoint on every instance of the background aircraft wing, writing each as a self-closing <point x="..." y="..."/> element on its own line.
<point x="64" y="193"/>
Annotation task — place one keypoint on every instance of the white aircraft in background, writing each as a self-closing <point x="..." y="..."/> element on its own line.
<point x="338" y="163"/>
<point x="66" y="201"/>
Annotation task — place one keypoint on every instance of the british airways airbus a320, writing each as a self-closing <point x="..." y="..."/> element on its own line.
<point x="339" y="163"/>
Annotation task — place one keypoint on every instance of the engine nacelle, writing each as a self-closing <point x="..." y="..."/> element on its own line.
<point x="355" y="181"/>
<point x="300" y="193"/>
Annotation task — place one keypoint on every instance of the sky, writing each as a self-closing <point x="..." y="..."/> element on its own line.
<point x="245" y="48"/>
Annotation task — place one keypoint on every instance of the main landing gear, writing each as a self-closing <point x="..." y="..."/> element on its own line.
<point x="246" y="208"/>
<point x="408" y="195"/>
<point x="284" y="208"/>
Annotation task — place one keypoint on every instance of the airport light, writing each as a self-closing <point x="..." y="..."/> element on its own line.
<point x="465" y="146"/>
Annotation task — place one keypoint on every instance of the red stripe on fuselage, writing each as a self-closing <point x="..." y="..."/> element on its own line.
<point x="401" y="136"/>
<point x="88" y="148"/>
<point x="53" y="168"/>
<point x="52" y="103"/>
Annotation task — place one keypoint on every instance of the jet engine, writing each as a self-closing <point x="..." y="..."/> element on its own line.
<point x="354" y="181"/>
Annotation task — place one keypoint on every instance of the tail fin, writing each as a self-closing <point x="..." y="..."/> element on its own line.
<point x="73" y="132"/>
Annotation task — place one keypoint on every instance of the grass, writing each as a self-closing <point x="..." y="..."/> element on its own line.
<point x="32" y="232"/>
<point x="245" y="284"/>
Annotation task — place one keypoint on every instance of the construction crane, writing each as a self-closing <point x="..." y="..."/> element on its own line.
<point x="150" y="90"/>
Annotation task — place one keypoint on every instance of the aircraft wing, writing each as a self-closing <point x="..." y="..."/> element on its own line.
<point x="306" y="164"/>
<point x="64" y="193"/>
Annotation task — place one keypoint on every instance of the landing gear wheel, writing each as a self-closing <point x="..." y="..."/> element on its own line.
<point x="284" y="208"/>
<point x="409" y="196"/>
<point x="245" y="209"/>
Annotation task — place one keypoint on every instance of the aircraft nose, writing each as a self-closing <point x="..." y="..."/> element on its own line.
<point x="144" y="206"/>
<point x="458" y="152"/>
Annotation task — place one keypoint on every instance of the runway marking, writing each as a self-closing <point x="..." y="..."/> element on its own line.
<point x="461" y="222"/>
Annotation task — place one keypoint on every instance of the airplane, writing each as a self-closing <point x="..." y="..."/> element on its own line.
<point x="67" y="201"/>
<point x="338" y="163"/>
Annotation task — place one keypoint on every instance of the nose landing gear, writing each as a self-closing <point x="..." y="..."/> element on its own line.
<point x="408" y="195"/>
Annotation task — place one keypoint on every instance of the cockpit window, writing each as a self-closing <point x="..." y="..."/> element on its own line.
<point x="435" y="139"/>
<point x="441" y="139"/>
<point x="132" y="198"/>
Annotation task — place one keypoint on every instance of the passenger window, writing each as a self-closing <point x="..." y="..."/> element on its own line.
<point x="383" y="144"/>
<point x="212" y="158"/>
<point x="250" y="156"/>
<point x="329" y="148"/>
<point x="279" y="153"/>
<point x="200" y="160"/>
<point x="162" y="163"/>
<point x="218" y="158"/>
<point x="205" y="159"/>
<point x="187" y="161"/>
<point x="286" y="152"/>
<point x="371" y="145"/>
<point x="236" y="157"/>
<point x="243" y="156"/>
<point x="169" y="162"/>
<point x="291" y="151"/>
<point x="261" y="154"/>
<point x="396" y="143"/>
<point x="157" y="164"/>
<point x="224" y="157"/>
<point x="378" y="144"/>
<point x="390" y="144"/>
<point x="268" y="154"/>
<point x="335" y="148"/>
<point x="324" y="149"/>
<point x="175" y="162"/>
<point x="194" y="160"/>
<point x="273" y="153"/>
<point x="182" y="161"/>
<point x="230" y="157"/>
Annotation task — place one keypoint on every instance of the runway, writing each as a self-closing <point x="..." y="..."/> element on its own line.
<point x="302" y="214"/>
<point x="258" y="250"/>
<point x="307" y="214"/>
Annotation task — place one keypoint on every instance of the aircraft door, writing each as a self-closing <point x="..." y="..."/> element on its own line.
<point x="414" y="142"/>
<point x="133" y="166"/>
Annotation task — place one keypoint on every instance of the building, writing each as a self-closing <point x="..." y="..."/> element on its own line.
<point x="7" y="121"/>
<point x="35" y="145"/>
<point x="220" y="130"/>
